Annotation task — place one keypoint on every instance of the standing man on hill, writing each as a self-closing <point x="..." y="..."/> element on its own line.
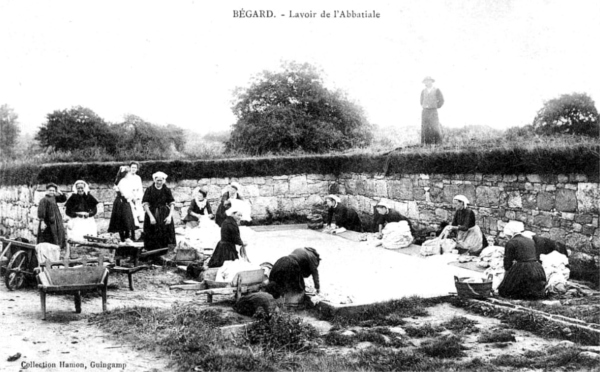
<point x="431" y="100"/>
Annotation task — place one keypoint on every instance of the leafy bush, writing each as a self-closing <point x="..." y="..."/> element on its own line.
<point x="280" y="332"/>
<point x="9" y="130"/>
<point x="292" y="109"/>
<point x="569" y="114"/>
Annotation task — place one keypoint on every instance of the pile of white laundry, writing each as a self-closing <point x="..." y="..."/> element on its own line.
<point x="557" y="272"/>
<point x="396" y="235"/>
<point x="494" y="255"/>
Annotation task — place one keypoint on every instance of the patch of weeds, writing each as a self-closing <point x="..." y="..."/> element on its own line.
<point x="385" y="359"/>
<point x="443" y="347"/>
<point x="336" y="338"/>
<point x="390" y="313"/>
<point x="233" y="360"/>
<point x="549" y="360"/>
<point x="529" y="322"/>
<point x="280" y="332"/>
<point x="461" y="324"/>
<point x="425" y="330"/>
<point x="498" y="335"/>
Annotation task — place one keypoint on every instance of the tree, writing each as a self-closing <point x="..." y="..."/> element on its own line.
<point x="290" y="110"/>
<point x="9" y="130"/>
<point x="569" y="114"/>
<point x="76" y="128"/>
<point x="138" y="134"/>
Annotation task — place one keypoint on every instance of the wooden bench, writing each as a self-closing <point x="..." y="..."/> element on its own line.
<point x="58" y="277"/>
<point x="246" y="282"/>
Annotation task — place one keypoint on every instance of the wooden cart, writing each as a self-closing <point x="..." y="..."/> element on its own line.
<point x="246" y="282"/>
<point x="17" y="262"/>
<point x="134" y="252"/>
<point x="72" y="280"/>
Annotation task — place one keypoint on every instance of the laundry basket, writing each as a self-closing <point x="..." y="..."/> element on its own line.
<point x="473" y="290"/>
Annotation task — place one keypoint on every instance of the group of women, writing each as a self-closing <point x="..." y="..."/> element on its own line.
<point x="131" y="207"/>
<point x="154" y="208"/>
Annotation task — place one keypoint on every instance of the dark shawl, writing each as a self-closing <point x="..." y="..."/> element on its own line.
<point x="344" y="217"/>
<point x="49" y="213"/>
<point x="81" y="203"/>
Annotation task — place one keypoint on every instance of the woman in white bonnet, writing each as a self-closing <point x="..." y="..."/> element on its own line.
<point x="81" y="208"/>
<point x="469" y="237"/>
<point x="199" y="207"/>
<point x="230" y="238"/>
<point x="158" y="202"/>
<point x="525" y="277"/>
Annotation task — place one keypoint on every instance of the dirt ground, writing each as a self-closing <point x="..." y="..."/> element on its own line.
<point x="347" y="268"/>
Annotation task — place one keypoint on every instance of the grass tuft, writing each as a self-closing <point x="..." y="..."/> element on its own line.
<point x="444" y="347"/>
<point x="461" y="324"/>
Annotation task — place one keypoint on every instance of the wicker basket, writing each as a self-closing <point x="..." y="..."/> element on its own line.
<point x="473" y="290"/>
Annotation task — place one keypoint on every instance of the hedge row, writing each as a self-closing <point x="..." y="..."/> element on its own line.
<point x="578" y="159"/>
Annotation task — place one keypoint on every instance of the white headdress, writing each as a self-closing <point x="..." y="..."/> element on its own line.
<point x="159" y="175"/>
<point x="513" y="228"/>
<point x="86" y="187"/>
<point x="334" y="198"/>
<point x="462" y="198"/>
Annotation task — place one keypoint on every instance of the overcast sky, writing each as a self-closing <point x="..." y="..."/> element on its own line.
<point x="177" y="62"/>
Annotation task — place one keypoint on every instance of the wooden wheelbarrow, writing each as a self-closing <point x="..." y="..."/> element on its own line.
<point x="245" y="282"/>
<point x="72" y="280"/>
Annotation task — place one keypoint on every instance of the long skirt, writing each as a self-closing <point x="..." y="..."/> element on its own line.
<point x="121" y="218"/>
<point x="524" y="280"/>
<point x="225" y="251"/>
<point x="79" y="227"/>
<point x="159" y="235"/>
<point x="286" y="277"/>
<point x="431" y="130"/>
<point x="471" y="240"/>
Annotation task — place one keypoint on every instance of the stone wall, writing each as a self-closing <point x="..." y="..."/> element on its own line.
<point x="562" y="207"/>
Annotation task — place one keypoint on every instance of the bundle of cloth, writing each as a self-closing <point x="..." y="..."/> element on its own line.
<point x="206" y="235"/>
<point x="557" y="272"/>
<point x="397" y="235"/>
<point x="494" y="255"/>
<point x="227" y="272"/>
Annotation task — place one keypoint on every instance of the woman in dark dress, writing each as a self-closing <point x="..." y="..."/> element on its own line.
<point x="81" y="207"/>
<point x="386" y="215"/>
<point x="198" y="207"/>
<point x="288" y="273"/>
<point x="230" y="237"/>
<point x="525" y="277"/>
<point x="158" y="203"/>
<point x="344" y="217"/>
<point x="431" y="100"/>
<point x="231" y="192"/>
<point x="122" y="220"/>
<point x="51" y="228"/>
<point x="469" y="237"/>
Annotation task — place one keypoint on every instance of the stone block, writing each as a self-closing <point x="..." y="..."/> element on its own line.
<point x="265" y="190"/>
<point x="182" y="194"/>
<point x="320" y="188"/>
<point x="577" y="227"/>
<point x="401" y="207"/>
<point x="450" y="191"/>
<point x="543" y="221"/>
<point x="579" y="242"/>
<point x="261" y="204"/>
<point x="315" y="201"/>
<point x="487" y="196"/>
<point x="299" y="204"/>
<point x="442" y="214"/>
<point x="510" y="178"/>
<point x="251" y="191"/>
<point x="412" y="210"/>
<point x="534" y="178"/>
<point x="563" y="178"/>
<point x="514" y="199"/>
<point x="400" y="189"/>
<point x="105" y="195"/>
<point x="566" y="200"/>
<point x="545" y="201"/>
<point x="583" y="218"/>
<point x="588" y="197"/>
<point x="529" y="201"/>
<point x="280" y="188"/>
<point x="588" y="230"/>
<point x="550" y="188"/>
<point x="284" y="205"/>
<point x="350" y="185"/>
<point x="298" y="185"/>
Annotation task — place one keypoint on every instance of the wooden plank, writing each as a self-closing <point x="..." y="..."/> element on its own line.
<point x="189" y="287"/>
<point x="250" y="277"/>
<point x="16" y="243"/>
<point x="154" y="252"/>
<point x="230" y="290"/>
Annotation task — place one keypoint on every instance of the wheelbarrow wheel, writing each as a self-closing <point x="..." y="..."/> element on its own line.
<point x="15" y="271"/>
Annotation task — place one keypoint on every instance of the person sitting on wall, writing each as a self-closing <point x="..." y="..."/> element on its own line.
<point x="344" y="216"/>
<point x="230" y="237"/>
<point x="469" y="237"/>
<point x="525" y="277"/>
<point x="288" y="273"/>
<point x="51" y="228"/>
<point x="81" y="207"/>
<point x="386" y="215"/>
